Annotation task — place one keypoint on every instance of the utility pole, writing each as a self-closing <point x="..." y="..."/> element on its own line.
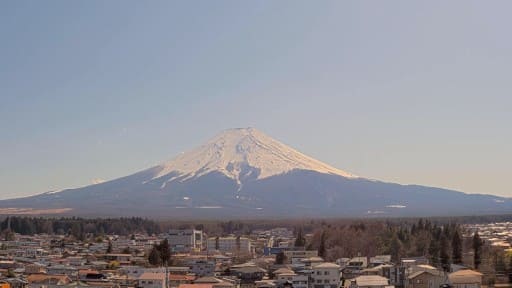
<point x="166" y="274"/>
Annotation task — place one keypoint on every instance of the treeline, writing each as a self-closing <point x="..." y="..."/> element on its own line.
<point x="242" y="227"/>
<point x="441" y="244"/>
<point x="80" y="228"/>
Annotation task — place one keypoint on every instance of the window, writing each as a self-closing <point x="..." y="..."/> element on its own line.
<point x="318" y="273"/>
<point x="326" y="272"/>
<point x="326" y="281"/>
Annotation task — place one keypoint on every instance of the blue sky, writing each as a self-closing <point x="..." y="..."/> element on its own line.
<point x="401" y="91"/>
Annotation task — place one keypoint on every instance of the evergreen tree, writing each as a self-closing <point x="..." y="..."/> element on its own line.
<point x="477" y="250"/>
<point x="444" y="255"/>
<point x="165" y="251"/>
<point x="300" y="241"/>
<point x="109" y="247"/>
<point x="280" y="258"/>
<point x="499" y="265"/>
<point x="322" y="249"/>
<point x="433" y="251"/>
<point x="421" y="226"/>
<point x="154" y="256"/>
<point x="395" y="249"/>
<point x="457" y="247"/>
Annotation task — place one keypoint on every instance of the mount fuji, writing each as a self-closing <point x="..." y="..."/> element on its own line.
<point x="243" y="173"/>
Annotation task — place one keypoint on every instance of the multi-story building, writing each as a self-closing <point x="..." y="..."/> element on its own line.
<point x="201" y="267"/>
<point x="240" y="245"/>
<point x="326" y="275"/>
<point x="185" y="240"/>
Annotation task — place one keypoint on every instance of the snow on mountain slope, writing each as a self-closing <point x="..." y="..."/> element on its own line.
<point x="239" y="154"/>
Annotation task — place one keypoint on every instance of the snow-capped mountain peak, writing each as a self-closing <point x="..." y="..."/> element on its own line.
<point x="240" y="154"/>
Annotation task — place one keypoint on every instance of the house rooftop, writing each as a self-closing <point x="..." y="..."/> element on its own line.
<point x="152" y="276"/>
<point x="327" y="265"/>
<point x="371" y="280"/>
<point x="283" y="271"/>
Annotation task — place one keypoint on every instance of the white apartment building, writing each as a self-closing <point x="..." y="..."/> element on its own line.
<point x="240" y="245"/>
<point x="326" y="275"/>
<point x="185" y="240"/>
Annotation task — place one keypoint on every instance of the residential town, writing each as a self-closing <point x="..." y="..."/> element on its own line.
<point x="261" y="259"/>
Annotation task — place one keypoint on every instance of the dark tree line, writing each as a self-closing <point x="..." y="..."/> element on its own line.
<point x="78" y="227"/>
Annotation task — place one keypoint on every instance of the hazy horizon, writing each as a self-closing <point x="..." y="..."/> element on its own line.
<point x="404" y="92"/>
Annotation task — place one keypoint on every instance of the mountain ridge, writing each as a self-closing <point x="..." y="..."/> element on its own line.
<point x="244" y="173"/>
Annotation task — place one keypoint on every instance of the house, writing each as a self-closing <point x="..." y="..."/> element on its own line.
<point x="90" y="275"/>
<point x="222" y="259"/>
<point x="213" y="282"/>
<point x="14" y="283"/>
<point x="430" y="278"/>
<point x="248" y="274"/>
<point x="175" y="280"/>
<point x="326" y="275"/>
<point x="354" y="267"/>
<point x="7" y="264"/>
<point x="208" y="285"/>
<point x="361" y="262"/>
<point x="282" y="270"/>
<point x="201" y="267"/>
<point x="297" y="280"/>
<point x="312" y="261"/>
<point x="136" y="271"/>
<point x="296" y="256"/>
<point x="151" y="280"/>
<point x="35" y="268"/>
<point x="379" y="260"/>
<point x="62" y="270"/>
<point x="369" y="281"/>
<point x="177" y="270"/>
<point x="406" y="262"/>
<point x="76" y="261"/>
<point x="465" y="279"/>
<point x="265" y="284"/>
<point x="121" y="258"/>
<point x="38" y="280"/>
